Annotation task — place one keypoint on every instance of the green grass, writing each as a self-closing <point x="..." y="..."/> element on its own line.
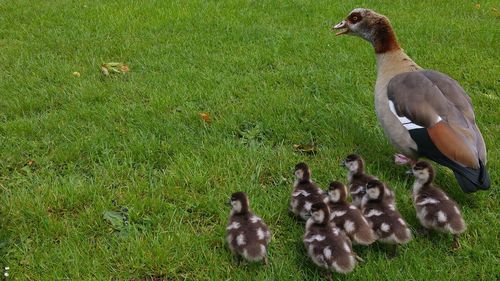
<point x="270" y="74"/>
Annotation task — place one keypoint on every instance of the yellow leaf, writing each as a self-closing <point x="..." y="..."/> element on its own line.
<point x="205" y="117"/>
<point x="305" y="148"/>
<point x="124" y="68"/>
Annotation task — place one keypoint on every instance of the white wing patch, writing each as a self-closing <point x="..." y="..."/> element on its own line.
<point x="260" y="234"/>
<point x="335" y="231"/>
<point x="428" y="201"/>
<point x="254" y="219"/>
<point x="308" y="205"/>
<point x="349" y="226"/>
<point x="374" y="213"/>
<point x="407" y="123"/>
<point x="316" y="237"/>
<point x="337" y="214"/>
<point x="233" y="225"/>
<point x="352" y="207"/>
<point x="240" y="239"/>
<point x="347" y="248"/>
<point x="327" y="252"/>
<point x="300" y="192"/>
<point x="441" y="216"/>
<point x="385" y="227"/>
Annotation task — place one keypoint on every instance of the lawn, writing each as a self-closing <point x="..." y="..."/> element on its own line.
<point x="269" y="75"/>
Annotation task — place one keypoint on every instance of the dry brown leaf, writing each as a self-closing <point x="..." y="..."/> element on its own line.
<point x="305" y="148"/>
<point x="205" y="117"/>
<point x="114" y="68"/>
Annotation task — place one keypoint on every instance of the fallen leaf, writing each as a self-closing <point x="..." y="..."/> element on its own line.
<point x="205" y="117"/>
<point x="104" y="71"/>
<point x="76" y="74"/>
<point x="115" y="218"/>
<point x="30" y="162"/>
<point x="114" y="68"/>
<point x="477" y="6"/>
<point x="124" y="68"/>
<point x="118" y="220"/>
<point x="305" y="148"/>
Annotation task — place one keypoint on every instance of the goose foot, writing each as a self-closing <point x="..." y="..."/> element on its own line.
<point x="400" y="159"/>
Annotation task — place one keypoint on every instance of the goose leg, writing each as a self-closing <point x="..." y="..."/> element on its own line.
<point x="266" y="261"/>
<point x="393" y="252"/>
<point x="400" y="159"/>
<point x="422" y="231"/>
<point x="358" y="258"/>
<point x="456" y="243"/>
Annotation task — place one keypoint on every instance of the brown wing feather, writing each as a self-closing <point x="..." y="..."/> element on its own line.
<point x="451" y="145"/>
<point x="457" y="95"/>
<point x="426" y="96"/>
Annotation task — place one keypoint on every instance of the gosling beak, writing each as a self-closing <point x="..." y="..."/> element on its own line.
<point x="342" y="27"/>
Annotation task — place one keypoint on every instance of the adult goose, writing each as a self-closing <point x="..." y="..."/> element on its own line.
<point x="423" y="112"/>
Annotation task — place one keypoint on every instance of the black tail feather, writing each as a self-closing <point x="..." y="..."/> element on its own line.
<point x="469" y="179"/>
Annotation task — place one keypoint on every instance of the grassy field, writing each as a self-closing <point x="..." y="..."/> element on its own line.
<point x="269" y="74"/>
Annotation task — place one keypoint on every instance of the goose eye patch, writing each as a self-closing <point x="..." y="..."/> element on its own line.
<point x="355" y="17"/>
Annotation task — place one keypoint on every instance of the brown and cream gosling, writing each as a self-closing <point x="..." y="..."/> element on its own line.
<point x="435" y="210"/>
<point x="247" y="235"/>
<point x="327" y="246"/>
<point x="386" y="221"/>
<point x="305" y="192"/>
<point x="347" y="217"/>
<point x="358" y="179"/>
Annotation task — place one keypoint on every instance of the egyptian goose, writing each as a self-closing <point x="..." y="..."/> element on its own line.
<point x="326" y="245"/>
<point x="305" y="192"/>
<point x="423" y="112"/>
<point x="347" y="217"/>
<point x="386" y="221"/>
<point x="358" y="179"/>
<point x="435" y="210"/>
<point x="247" y="235"/>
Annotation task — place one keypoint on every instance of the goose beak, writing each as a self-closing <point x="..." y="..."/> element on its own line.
<point x="342" y="27"/>
<point x="409" y="172"/>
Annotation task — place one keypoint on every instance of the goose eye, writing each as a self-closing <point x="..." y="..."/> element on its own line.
<point x="354" y="18"/>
